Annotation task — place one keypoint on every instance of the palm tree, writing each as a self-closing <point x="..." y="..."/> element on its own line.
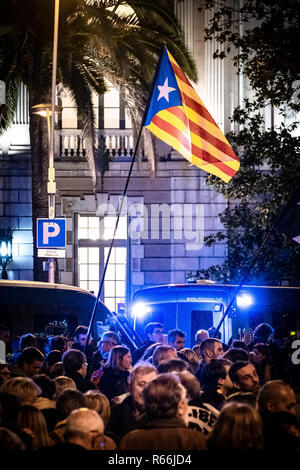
<point x="97" y="38"/>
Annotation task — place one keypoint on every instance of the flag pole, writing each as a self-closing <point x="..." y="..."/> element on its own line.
<point x="113" y="239"/>
<point x="248" y="270"/>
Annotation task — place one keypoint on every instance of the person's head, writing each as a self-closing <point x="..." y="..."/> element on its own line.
<point x="119" y="358"/>
<point x="165" y="398"/>
<point x="108" y="340"/>
<point x="275" y="396"/>
<point x="24" y="387"/>
<point x="74" y="361"/>
<point x="247" y="398"/>
<point x="32" y="418"/>
<point x="263" y="333"/>
<point x="30" y="361"/>
<point x="196" y="349"/>
<point x="281" y="337"/>
<point x="201" y="335"/>
<point x="27" y="340"/>
<point x="10" y="406"/>
<point x="68" y="401"/>
<point x="163" y="353"/>
<point x="63" y="383"/>
<point x="176" y="338"/>
<point x="236" y="354"/>
<point x="214" y="376"/>
<point x="190" y="383"/>
<point x="238" y="427"/>
<point x="192" y="358"/>
<point x="244" y="376"/>
<point x="85" y="428"/>
<point x="57" y="370"/>
<point x="10" y="440"/>
<point x="46" y="384"/>
<point x="4" y="372"/>
<point x="51" y="358"/>
<point x="238" y="344"/>
<point x="140" y="376"/>
<point x="4" y="334"/>
<point x="260" y="353"/>
<point x="95" y="400"/>
<point x="174" y="365"/>
<point x="81" y="334"/>
<point x="155" y="332"/>
<point x="211" y="349"/>
<point x="58" y="343"/>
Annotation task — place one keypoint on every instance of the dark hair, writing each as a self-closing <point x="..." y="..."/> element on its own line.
<point x="81" y="330"/>
<point x="68" y="401"/>
<point x="238" y="344"/>
<point x="173" y="333"/>
<point x="248" y="398"/>
<point x="29" y="355"/>
<point x="57" y="343"/>
<point x="233" y="371"/>
<point x="278" y="431"/>
<point x="10" y="440"/>
<point x="236" y="354"/>
<point x="281" y="332"/>
<point x="52" y="358"/>
<point x="211" y="373"/>
<point x="27" y="340"/>
<point x="262" y="332"/>
<point x="174" y="365"/>
<point x="162" y="396"/>
<point x="208" y="344"/>
<point x="73" y="359"/>
<point x="152" y="326"/>
<point x="11" y="407"/>
<point x="262" y="348"/>
<point x="46" y="384"/>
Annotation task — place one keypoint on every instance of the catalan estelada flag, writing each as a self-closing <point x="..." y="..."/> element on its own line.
<point x="177" y="116"/>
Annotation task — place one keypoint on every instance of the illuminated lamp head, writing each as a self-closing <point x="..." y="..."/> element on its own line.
<point x="140" y="310"/>
<point x="244" y="300"/>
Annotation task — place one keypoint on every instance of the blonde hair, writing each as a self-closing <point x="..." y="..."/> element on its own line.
<point x="32" y="418"/>
<point x="95" y="400"/>
<point x="238" y="427"/>
<point x="63" y="383"/>
<point x="192" y="358"/>
<point x="24" y="387"/>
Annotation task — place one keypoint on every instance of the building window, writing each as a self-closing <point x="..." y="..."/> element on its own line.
<point x="94" y="238"/>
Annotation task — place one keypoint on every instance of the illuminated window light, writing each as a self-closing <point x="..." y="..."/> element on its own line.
<point x="244" y="300"/>
<point x="139" y="310"/>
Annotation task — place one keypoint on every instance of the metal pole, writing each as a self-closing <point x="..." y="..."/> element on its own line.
<point x="51" y="187"/>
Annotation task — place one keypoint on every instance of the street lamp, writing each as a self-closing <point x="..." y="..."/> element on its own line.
<point x="5" y="250"/>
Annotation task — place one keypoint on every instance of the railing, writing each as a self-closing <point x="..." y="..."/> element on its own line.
<point x="115" y="143"/>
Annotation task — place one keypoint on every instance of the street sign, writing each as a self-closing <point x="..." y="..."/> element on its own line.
<point x="51" y="253"/>
<point x="51" y="233"/>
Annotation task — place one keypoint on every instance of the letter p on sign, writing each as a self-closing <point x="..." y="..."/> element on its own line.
<point x="51" y="233"/>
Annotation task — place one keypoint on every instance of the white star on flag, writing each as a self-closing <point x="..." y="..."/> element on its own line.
<point x="164" y="90"/>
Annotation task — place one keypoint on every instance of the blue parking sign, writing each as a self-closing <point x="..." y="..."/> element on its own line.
<point x="51" y="233"/>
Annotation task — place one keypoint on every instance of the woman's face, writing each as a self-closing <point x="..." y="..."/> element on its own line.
<point x="125" y="362"/>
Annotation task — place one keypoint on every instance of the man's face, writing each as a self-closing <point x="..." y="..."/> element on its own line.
<point x="5" y="336"/>
<point x="179" y="343"/>
<point x="217" y="350"/>
<point x="157" y="336"/>
<point x="82" y="339"/>
<point x="32" y="368"/>
<point x="286" y="401"/>
<point x="138" y="386"/>
<point x="248" y="379"/>
<point x="106" y="345"/>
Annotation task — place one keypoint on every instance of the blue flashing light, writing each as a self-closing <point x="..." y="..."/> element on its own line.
<point x="140" y="310"/>
<point x="244" y="300"/>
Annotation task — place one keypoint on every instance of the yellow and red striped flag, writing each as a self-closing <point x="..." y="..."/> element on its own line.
<point x="178" y="117"/>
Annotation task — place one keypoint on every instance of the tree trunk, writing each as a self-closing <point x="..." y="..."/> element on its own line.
<point x="39" y="165"/>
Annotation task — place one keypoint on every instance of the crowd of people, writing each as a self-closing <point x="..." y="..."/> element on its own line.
<point x="163" y="396"/>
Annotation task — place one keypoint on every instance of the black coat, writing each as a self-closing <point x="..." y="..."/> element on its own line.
<point x="124" y="418"/>
<point x="114" y="382"/>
